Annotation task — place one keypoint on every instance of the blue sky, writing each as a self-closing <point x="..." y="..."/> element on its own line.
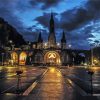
<point x="80" y="19"/>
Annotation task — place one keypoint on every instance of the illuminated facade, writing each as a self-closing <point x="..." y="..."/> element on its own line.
<point x="48" y="53"/>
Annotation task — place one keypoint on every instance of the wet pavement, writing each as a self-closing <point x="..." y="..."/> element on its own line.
<point x="9" y="79"/>
<point x="51" y="87"/>
<point x="50" y="83"/>
<point x="82" y="79"/>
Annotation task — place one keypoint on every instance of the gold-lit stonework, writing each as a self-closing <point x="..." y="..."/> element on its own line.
<point x="52" y="57"/>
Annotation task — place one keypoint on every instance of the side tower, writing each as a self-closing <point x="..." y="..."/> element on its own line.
<point x="52" y="38"/>
<point x="40" y="41"/>
<point x="63" y="41"/>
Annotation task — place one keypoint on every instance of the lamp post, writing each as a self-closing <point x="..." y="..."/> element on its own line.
<point x="91" y="50"/>
<point x="10" y="41"/>
<point x="91" y="74"/>
<point x="29" y="45"/>
<point x="18" y="73"/>
<point x="13" y="46"/>
<point x="73" y="61"/>
<point x="91" y="56"/>
<point x="2" y="59"/>
<point x="69" y="47"/>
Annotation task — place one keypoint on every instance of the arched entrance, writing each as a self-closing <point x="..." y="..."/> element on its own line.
<point x="38" y="58"/>
<point x="22" y="58"/>
<point x="52" y="58"/>
<point x="14" y="58"/>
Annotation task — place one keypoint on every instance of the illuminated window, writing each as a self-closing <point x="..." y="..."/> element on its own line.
<point x="22" y="59"/>
<point x="14" y="57"/>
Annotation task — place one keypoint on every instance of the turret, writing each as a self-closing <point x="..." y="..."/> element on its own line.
<point x="40" y="41"/>
<point x="63" y="41"/>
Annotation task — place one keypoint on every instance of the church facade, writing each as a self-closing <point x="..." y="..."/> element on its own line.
<point x="49" y="53"/>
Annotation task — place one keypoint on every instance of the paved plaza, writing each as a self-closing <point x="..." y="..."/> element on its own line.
<point x="49" y="83"/>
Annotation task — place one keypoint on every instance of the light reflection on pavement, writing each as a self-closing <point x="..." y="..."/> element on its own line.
<point x="8" y="78"/>
<point x="53" y="86"/>
<point x="81" y="78"/>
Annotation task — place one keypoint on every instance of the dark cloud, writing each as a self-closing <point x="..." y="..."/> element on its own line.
<point x="8" y="13"/>
<point x="44" y="23"/>
<point x="94" y="5"/>
<point x="45" y="4"/>
<point x="78" y="41"/>
<point x="6" y="2"/>
<point x="30" y="35"/>
<point x="22" y="7"/>
<point x="11" y="18"/>
<point x="72" y="19"/>
<point x="44" y="20"/>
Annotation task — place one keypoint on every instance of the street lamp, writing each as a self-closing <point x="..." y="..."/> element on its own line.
<point x="45" y="45"/>
<point x="12" y="44"/>
<point x="10" y="41"/>
<point x="29" y="45"/>
<point x="69" y="45"/>
<point x="58" y="45"/>
<point x="18" y="73"/>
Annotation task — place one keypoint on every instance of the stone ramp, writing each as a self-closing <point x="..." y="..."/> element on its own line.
<point x="53" y="87"/>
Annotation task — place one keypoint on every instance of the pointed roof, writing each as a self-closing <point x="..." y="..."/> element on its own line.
<point x="63" y="39"/>
<point x="52" y="26"/>
<point x="51" y="16"/>
<point x="40" y="40"/>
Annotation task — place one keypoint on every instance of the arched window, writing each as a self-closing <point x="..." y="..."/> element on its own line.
<point x="22" y="58"/>
<point x="14" y="57"/>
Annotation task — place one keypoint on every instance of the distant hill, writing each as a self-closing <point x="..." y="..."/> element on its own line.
<point x="8" y="32"/>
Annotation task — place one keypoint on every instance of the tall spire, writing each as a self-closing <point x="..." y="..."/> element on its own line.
<point x="40" y="40"/>
<point x="52" y="38"/>
<point x="52" y="27"/>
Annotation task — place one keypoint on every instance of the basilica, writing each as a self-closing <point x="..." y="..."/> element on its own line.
<point x="50" y="52"/>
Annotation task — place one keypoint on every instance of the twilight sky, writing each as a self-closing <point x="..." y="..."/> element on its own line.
<point x="80" y="19"/>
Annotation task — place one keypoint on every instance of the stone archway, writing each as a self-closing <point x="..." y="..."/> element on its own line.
<point x="65" y="58"/>
<point x="38" y="58"/>
<point x="82" y="58"/>
<point x="22" y="58"/>
<point x="52" y="58"/>
<point x="14" y="58"/>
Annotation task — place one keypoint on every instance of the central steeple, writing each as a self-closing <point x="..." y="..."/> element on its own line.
<point x="52" y="38"/>
<point x="52" y="26"/>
